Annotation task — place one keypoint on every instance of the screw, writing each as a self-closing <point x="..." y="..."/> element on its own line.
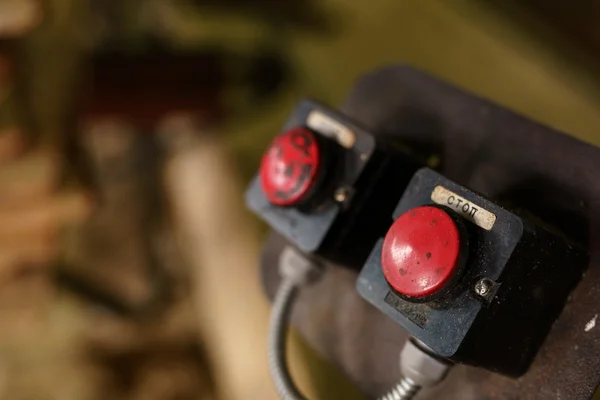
<point x="483" y="287"/>
<point x="342" y="194"/>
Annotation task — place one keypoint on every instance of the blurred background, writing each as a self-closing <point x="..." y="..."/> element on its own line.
<point x="128" y="130"/>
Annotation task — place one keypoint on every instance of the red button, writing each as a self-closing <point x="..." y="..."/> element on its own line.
<point x="421" y="251"/>
<point x="289" y="167"/>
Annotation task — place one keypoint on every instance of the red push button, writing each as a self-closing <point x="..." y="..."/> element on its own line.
<point x="289" y="167"/>
<point x="421" y="251"/>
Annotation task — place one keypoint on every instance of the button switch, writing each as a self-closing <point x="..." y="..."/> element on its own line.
<point x="421" y="252"/>
<point x="289" y="167"/>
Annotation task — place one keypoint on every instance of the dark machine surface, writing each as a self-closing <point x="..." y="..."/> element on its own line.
<point x="504" y="157"/>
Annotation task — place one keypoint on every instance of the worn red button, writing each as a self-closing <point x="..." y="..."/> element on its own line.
<point x="288" y="169"/>
<point x="421" y="251"/>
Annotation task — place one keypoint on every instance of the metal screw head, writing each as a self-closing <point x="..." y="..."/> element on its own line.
<point x="483" y="287"/>
<point x="341" y="194"/>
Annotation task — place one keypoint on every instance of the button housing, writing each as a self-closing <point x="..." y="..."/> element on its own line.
<point x="532" y="270"/>
<point x="341" y="230"/>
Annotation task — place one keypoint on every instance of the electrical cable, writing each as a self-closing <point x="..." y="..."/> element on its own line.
<point x="420" y="368"/>
<point x="407" y="389"/>
<point x="280" y="314"/>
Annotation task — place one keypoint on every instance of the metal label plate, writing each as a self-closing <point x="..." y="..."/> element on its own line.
<point x="467" y="209"/>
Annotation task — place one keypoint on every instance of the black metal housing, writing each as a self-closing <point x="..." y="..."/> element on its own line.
<point x="531" y="271"/>
<point x="372" y="175"/>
